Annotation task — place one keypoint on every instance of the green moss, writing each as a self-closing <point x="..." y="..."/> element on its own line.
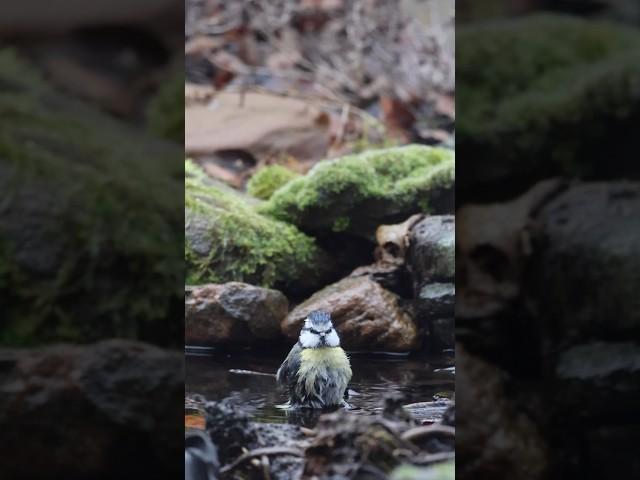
<point x="227" y="240"/>
<point x="269" y="179"/>
<point x="543" y="94"/>
<point x="89" y="220"/>
<point x="166" y="109"/>
<point x="358" y="192"/>
<point x="340" y="224"/>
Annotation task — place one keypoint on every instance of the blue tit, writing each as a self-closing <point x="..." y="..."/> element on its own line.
<point x="317" y="370"/>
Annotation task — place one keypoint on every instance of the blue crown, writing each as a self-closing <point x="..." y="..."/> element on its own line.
<point x="319" y="317"/>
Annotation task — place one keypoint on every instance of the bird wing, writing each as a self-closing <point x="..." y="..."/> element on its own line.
<point x="290" y="366"/>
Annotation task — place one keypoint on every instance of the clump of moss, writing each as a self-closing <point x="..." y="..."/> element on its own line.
<point x="356" y="193"/>
<point x="227" y="240"/>
<point x="89" y="220"/>
<point x="269" y="179"/>
<point x="544" y="95"/>
<point x="340" y="224"/>
<point x="166" y="109"/>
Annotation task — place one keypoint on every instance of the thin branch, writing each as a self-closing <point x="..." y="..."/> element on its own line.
<point x="419" y="432"/>
<point x="259" y="452"/>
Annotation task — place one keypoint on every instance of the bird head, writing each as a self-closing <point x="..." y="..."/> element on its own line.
<point x="318" y="331"/>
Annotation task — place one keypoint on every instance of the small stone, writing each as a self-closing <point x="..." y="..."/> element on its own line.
<point x="432" y="250"/>
<point x="436" y="300"/>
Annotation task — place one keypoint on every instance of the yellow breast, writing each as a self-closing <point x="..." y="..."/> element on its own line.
<point x="321" y="361"/>
<point x="327" y="357"/>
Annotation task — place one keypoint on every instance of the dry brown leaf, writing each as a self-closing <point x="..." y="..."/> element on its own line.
<point x="257" y="123"/>
<point x="194" y="421"/>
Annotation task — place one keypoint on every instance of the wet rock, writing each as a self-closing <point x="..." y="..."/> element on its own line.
<point x="94" y="411"/>
<point x="436" y="300"/>
<point x="357" y="193"/>
<point x="591" y="375"/>
<point x="232" y="431"/>
<point x="392" y="277"/>
<point x="367" y="316"/>
<point x="434" y="309"/>
<point x="226" y="240"/>
<point x="430" y="412"/>
<point x="591" y="244"/>
<point x="431" y="261"/>
<point x="233" y="313"/>
<point x="442" y="335"/>
<point x="431" y="255"/>
<point x="493" y="435"/>
<point x="555" y="75"/>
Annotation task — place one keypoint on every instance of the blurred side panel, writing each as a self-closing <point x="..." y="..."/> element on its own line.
<point x="548" y="239"/>
<point x="91" y="238"/>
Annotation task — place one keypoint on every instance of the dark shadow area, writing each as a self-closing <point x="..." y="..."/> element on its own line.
<point x="547" y="239"/>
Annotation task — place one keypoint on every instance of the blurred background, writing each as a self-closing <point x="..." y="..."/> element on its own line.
<point x="91" y="265"/>
<point x="547" y="238"/>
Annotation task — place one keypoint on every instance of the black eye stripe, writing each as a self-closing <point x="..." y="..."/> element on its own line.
<point x="327" y="331"/>
<point x="315" y="332"/>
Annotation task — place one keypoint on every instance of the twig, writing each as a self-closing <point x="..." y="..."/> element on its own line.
<point x="418" y="432"/>
<point x="259" y="452"/>
<point x="265" y="467"/>
<point x="308" y="432"/>
<point x="344" y="118"/>
<point x="250" y="372"/>
<point x="433" y="458"/>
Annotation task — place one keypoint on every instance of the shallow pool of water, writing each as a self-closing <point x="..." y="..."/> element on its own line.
<point x="249" y="377"/>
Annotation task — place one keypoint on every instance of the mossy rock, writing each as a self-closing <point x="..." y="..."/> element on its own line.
<point x="90" y="230"/>
<point x="166" y="109"/>
<point x="357" y="193"/>
<point x="269" y="179"/>
<point x="545" y="95"/>
<point x="227" y="240"/>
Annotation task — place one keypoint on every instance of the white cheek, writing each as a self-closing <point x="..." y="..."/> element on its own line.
<point x="332" y="339"/>
<point x="308" y="340"/>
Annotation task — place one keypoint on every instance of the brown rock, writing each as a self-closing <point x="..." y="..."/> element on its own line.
<point x="232" y="313"/>
<point x="367" y="316"/>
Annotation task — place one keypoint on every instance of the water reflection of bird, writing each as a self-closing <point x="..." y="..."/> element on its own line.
<point x="316" y="371"/>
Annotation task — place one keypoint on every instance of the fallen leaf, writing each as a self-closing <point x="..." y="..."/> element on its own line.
<point x="257" y="123"/>
<point x="194" y="421"/>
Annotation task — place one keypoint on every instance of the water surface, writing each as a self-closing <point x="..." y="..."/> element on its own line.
<point x="217" y="375"/>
